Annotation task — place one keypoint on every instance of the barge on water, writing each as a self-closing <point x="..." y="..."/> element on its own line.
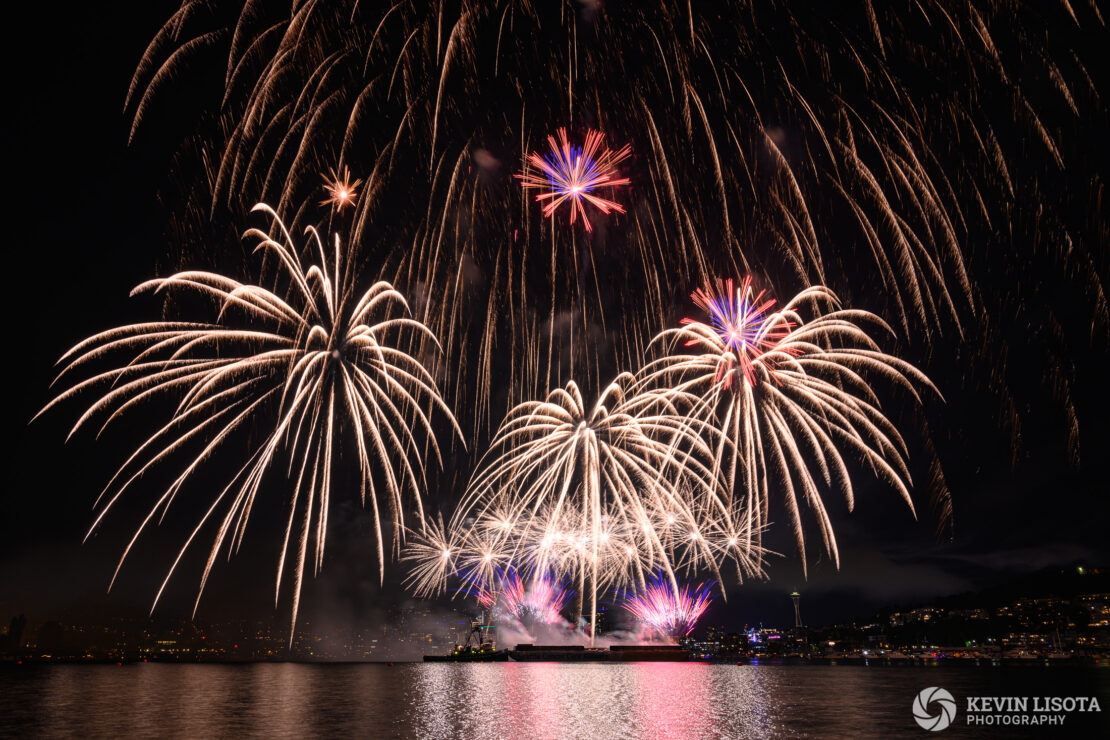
<point x="613" y="654"/>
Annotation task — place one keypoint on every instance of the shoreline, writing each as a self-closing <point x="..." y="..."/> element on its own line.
<point x="1081" y="662"/>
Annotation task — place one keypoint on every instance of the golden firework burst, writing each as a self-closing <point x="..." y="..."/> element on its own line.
<point x="342" y="191"/>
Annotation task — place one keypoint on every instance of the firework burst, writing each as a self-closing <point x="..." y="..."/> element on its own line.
<point x="740" y="318"/>
<point x="530" y="600"/>
<point x="600" y="494"/>
<point x="787" y="396"/>
<point x="669" y="610"/>
<point x="476" y="547"/>
<point x="586" y="464"/>
<point x="570" y="174"/>
<point x="301" y="373"/>
<point x="341" y="189"/>
<point x="433" y="553"/>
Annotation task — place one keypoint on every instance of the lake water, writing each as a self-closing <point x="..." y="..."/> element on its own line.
<point x="519" y="700"/>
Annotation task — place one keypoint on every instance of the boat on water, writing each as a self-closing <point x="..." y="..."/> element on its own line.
<point x="527" y="653"/>
<point x="478" y="648"/>
<point x="470" y="654"/>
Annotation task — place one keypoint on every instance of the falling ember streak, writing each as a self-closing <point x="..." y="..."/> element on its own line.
<point x="914" y="203"/>
<point x="570" y="173"/>
<point x="341" y="190"/>
<point x="668" y="610"/>
<point x="307" y="364"/>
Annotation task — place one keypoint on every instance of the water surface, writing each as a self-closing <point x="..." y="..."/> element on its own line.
<point x="517" y="700"/>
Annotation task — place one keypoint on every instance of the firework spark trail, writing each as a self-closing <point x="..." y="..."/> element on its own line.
<point x="787" y="395"/>
<point x="668" y="610"/>
<point x="571" y="174"/>
<point x="310" y="369"/>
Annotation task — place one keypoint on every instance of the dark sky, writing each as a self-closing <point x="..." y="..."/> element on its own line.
<point x="84" y="225"/>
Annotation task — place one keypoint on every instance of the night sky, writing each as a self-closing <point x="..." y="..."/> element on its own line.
<point x="88" y="217"/>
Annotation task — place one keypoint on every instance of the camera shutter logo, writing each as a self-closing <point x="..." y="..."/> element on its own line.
<point x="934" y="699"/>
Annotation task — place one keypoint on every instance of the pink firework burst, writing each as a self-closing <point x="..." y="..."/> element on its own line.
<point x="571" y="173"/>
<point x="539" y="600"/>
<point x="741" y="319"/>
<point x="667" y="611"/>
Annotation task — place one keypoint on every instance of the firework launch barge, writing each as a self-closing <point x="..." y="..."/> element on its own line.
<point x="612" y="654"/>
